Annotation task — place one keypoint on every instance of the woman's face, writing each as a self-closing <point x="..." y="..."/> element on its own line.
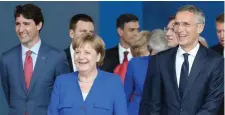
<point x="86" y="58"/>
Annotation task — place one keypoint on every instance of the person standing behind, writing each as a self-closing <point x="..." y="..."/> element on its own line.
<point x="79" y="24"/>
<point x="28" y="70"/>
<point x="147" y="43"/>
<point x="88" y="91"/>
<point x="188" y="79"/>
<point x="170" y="34"/>
<point x="116" y="58"/>
<point x="219" y="48"/>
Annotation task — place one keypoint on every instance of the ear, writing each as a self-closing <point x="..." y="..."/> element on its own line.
<point x="71" y="33"/>
<point x="120" y="31"/>
<point x="99" y="57"/>
<point x="200" y="28"/>
<point x="39" y="26"/>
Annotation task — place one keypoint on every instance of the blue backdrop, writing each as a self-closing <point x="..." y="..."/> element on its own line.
<point x="57" y="16"/>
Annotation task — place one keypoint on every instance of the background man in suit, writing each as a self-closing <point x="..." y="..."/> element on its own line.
<point x="3" y="104"/>
<point x="79" y="24"/>
<point x="127" y="29"/>
<point x="219" y="48"/>
<point x="188" y="79"/>
<point x="29" y="69"/>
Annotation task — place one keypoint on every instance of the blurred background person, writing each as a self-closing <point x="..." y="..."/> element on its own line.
<point x="170" y="34"/>
<point x="79" y="24"/>
<point x="147" y="44"/>
<point x="219" y="48"/>
<point x="89" y="91"/>
<point x="203" y="41"/>
<point x="116" y="58"/>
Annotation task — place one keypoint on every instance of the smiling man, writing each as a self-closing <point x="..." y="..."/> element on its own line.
<point x="28" y="70"/>
<point x="187" y="79"/>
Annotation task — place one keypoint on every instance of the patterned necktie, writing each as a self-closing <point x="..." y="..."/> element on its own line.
<point x="28" y="69"/>
<point x="184" y="74"/>
<point x="121" y="69"/>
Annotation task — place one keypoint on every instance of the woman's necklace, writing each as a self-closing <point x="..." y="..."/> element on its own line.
<point x="86" y="81"/>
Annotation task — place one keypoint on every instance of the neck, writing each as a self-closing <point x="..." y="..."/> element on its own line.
<point x="189" y="47"/>
<point x="29" y="45"/>
<point x="124" y="45"/>
<point x="87" y="77"/>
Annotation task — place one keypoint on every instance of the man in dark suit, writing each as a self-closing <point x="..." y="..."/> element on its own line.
<point x="79" y="24"/>
<point x="3" y="104"/>
<point x="28" y="70"/>
<point x="187" y="79"/>
<point x="127" y="29"/>
<point x="219" y="48"/>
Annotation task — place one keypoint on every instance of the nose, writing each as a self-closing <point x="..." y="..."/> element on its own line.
<point x="222" y="34"/>
<point x="21" y="28"/>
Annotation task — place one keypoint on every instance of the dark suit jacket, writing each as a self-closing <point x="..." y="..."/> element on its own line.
<point x="4" y="108"/>
<point x="68" y="56"/>
<point x="218" y="48"/>
<point x="203" y="94"/>
<point x="111" y="59"/>
<point x="50" y="63"/>
<point x="106" y="96"/>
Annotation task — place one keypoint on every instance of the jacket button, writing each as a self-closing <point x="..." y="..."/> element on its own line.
<point x="83" y="108"/>
<point x="181" y="109"/>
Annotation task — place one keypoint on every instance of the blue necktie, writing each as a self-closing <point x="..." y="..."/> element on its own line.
<point x="184" y="74"/>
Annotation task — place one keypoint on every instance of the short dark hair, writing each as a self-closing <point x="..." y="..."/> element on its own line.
<point x="125" y="18"/>
<point x="30" y="11"/>
<point x="220" y="18"/>
<point x="79" y="17"/>
<point x="171" y="18"/>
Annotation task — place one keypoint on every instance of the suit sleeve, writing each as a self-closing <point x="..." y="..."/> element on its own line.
<point x="119" y="104"/>
<point x="4" y="79"/>
<point x="215" y="94"/>
<point x="129" y="82"/>
<point x="151" y="97"/>
<point x="63" y="65"/>
<point x="3" y="104"/>
<point x="54" y="102"/>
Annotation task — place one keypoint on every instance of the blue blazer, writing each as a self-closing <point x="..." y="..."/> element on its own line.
<point x="203" y="94"/>
<point x="50" y="63"/>
<point x="134" y="80"/>
<point x="106" y="96"/>
<point x="3" y="104"/>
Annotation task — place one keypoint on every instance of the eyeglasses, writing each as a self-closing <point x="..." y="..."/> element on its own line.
<point x="185" y="25"/>
<point x="166" y="29"/>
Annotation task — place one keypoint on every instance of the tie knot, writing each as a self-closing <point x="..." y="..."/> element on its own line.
<point x="28" y="53"/>
<point x="186" y="56"/>
<point x="125" y="53"/>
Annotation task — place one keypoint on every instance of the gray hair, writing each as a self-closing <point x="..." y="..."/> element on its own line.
<point x="203" y="41"/>
<point x="157" y="41"/>
<point x="196" y="11"/>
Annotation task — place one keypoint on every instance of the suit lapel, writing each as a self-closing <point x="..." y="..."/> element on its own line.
<point x="40" y="64"/>
<point x="68" y="55"/>
<point x="19" y="64"/>
<point x="197" y="66"/>
<point x="172" y="70"/>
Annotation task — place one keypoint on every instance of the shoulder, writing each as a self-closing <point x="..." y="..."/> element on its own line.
<point x="65" y="78"/>
<point x="110" y="78"/>
<point x="11" y="52"/>
<point x="112" y="50"/>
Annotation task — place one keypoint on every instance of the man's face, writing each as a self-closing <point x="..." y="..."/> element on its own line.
<point x="220" y="32"/>
<point x="81" y="27"/>
<point x="187" y="29"/>
<point x="170" y="35"/>
<point x="129" y="32"/>
<point x="27" y="30"/>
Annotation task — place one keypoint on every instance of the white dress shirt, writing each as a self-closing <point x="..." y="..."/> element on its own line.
<point x="34" y="52"/>
<point x="72" y="57"/>
<point x="84" y="94"/>
<point x="180" y="60"/>
<point x="121" y="53"/>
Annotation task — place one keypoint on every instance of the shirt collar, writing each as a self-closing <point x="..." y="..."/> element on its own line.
<point x="71" y="49"/>
<point x="193" y="52"/>
<point x="34" y="49"/>
<point x="122" y="49"/>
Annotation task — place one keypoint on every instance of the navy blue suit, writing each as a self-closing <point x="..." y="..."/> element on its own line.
<point x="50" y="63"/>
<point x="203" y="94"/>
<point x="3" y="104"/>
<point x="106" y="96"/>
<point x="134" y="81"/>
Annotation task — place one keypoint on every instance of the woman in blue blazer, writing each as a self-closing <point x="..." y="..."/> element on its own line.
<point x="89" y="91"/>
<point x="148" y="43"/>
